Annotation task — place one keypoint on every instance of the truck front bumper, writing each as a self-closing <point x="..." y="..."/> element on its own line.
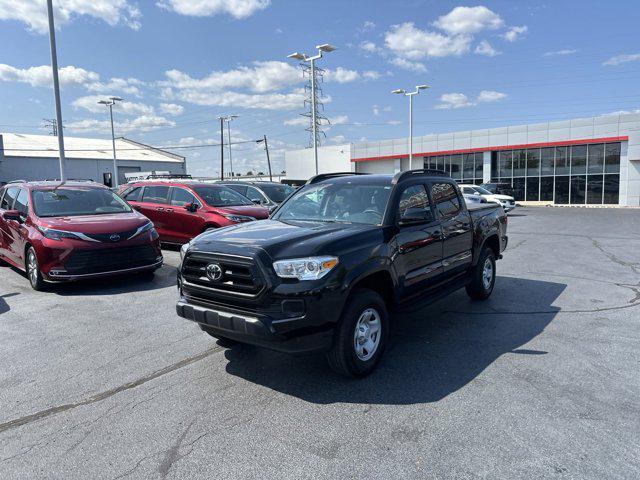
<point x="262" y="331"/>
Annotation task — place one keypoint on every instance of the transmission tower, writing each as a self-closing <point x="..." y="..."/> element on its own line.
<point x="309" y="103"/>
<point x="51" y="123"/>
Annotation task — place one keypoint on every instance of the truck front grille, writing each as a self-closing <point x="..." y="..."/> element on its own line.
<point x="238" y="276"/>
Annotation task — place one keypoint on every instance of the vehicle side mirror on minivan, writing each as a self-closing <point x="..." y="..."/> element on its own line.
<point x="257" y="201"/>
<point x="12" y="215"/>
<point x="191" y="207"/>
<point x="415" y="216"/>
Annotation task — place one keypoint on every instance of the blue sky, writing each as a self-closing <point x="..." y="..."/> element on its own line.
<point x="181" y="63"/>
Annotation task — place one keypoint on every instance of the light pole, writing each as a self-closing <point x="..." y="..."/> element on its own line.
<point x="56" y="89"/>
<point x="410" y="95"/>
<point x="110" y="103"/>
<point x="324" y="48"/>
<point x="228" y="119"/>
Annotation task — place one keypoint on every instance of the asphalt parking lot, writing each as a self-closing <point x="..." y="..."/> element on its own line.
<point x="103" y="380"/>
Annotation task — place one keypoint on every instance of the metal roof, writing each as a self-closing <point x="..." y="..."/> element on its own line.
<point x="46" y="146"/>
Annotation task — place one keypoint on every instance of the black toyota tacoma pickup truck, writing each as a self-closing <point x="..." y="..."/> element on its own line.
<point x="323" y="272"/>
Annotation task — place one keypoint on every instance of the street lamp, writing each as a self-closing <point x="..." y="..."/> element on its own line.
<point x="110" y="103"/>
<point x="324" y="48"/>
<point x="228" y="119"/>
<point x="400" y="91"/>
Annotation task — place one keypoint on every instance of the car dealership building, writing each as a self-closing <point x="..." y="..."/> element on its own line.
<point x="593" y="160"/>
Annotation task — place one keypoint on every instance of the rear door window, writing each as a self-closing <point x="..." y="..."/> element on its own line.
<point x="446" y="199"/>
<point x="9" y="196"/>
<point x="241" y="189"/>
<point x="255" y="195"/>
<point x="155" y="194"/>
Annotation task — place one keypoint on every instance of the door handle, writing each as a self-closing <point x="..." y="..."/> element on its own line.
<point x="169" y="210"/>
<point x="160" y="209"/>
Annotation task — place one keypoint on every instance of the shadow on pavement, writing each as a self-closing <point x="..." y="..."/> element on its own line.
<point x="4" y="306"/>
<point x="432" y="353"/>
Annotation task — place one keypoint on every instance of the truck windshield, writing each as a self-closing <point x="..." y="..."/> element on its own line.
<point x="219" y="196"/>
<point x="277" y="193"/>
<point x="339" y="202"/>
<point x="67" y="202"/>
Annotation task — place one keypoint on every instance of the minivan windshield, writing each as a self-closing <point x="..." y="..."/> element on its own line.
<point x="74" y="201"/>
<point x="337" y="202"/>
<point x="277" y="193"/>
<point x="219" y="196"/>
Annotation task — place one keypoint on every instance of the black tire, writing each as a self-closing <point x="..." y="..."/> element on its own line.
<point x="32" y="268"/>
<point x="222" y="341"/>
<point x="343" y="357"/>
<point x="481" y="286"/>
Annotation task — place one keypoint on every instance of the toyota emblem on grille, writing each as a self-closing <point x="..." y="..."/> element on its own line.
<point x="115" y="237"/>
<point x="214" y="272"/>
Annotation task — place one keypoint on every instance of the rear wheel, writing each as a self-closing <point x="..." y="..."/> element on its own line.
<point x="361" y="335"/>
<point x="33" y="271"/>
<point x="483" y="276"/>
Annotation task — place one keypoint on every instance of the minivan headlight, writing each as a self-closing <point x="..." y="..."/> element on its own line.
<point x="238" y="218"/>
<point x="309" y="268"/>
<point x="53" y="234"/>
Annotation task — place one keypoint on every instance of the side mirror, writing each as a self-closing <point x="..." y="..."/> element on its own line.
<point x="257" y="201"/>
<point x="191" y="207"/>
<point x="415" y="216"/>
<point x="12" y="215"/>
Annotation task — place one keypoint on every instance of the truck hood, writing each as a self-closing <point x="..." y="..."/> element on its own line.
<point x="288" y="239"/>
<point x="95" y="224"/>
<point x="255" y="211"/>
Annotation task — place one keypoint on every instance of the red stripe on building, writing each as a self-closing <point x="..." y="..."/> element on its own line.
<point x="496" y="148"/>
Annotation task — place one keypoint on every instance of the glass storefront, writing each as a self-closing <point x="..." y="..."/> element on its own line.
<point x="577" y="174"/>
<point x="465" y="167"/>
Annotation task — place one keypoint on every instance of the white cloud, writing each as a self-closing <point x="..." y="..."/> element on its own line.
<point x="368" y="46"/>
<point x="409" y="42"/>
<point x="485" y="48"/>
<point x="566" y="51"/>
<point x="271" y="101"/>
<point x="90" y="103"/>
<point x="34" y="12"/>
<point x="207" y="8"/>
<point x="171" y="108"/>
<point x="515" y="33"/>
<point x="297" y="121"/>
<point x="453" y="100"/>
<point x="376" y="110"/>
<point x="40" y="76"/>
<point x="341" y="75"/>
<point x="338" y="139"/>
<point x="121" y="85"/>
<point x="339" y="120"/>
<point x="460" y="100"/>
<point x="371" y="75"/>
<point x="143" y="123"/>
<point x="408" y="65"/>
<point x="619" y="59"/>
<point x="260" y="77"/>
<point x="367" y="26"/>
<point x="487" y="96"/>
<point x="469" y="20"/>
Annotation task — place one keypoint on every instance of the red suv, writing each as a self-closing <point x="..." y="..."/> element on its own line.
<point x="181" y="210"/>
<point x="60" y="231"/>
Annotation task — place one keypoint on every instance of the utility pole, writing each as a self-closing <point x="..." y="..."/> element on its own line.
<point x="266" y="149"/>
<point x="230" y="159"/>
<point x="221" y="148"/>
<point x="110" y="103"/>
<point x="56" y="88"/>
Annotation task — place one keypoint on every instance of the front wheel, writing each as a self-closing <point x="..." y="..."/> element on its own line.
<point x="361" y="335"/>
<point x="33" y="271"/>
<point x="483" y="276"/>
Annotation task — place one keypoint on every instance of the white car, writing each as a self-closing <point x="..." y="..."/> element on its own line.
<point x="508" y="203"/>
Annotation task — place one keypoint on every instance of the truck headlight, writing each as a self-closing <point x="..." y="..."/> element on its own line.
<point x="183" y="250"/>
<point x="310" y="268"/>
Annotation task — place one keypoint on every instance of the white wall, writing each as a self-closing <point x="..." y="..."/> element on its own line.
<point x="300" y="164"/>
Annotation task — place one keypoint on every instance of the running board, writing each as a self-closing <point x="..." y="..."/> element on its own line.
<point x="417" y="302"/>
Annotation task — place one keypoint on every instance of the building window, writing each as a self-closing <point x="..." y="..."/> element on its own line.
<point x="595" y="158"/>
<point x="578" y="159"/>
<point x="577" y="189"/>
<point x="612" y="158"/>
<point x="546" y="161"/>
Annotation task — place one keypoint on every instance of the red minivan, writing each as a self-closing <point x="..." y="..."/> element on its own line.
<point x="181" y="210"/>
<point x="60" y="231"/>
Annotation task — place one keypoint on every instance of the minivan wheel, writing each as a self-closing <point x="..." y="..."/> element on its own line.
<point x="361" y="335"/>
<point x="33" y="271"/>
<point x="483" y="276"/>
